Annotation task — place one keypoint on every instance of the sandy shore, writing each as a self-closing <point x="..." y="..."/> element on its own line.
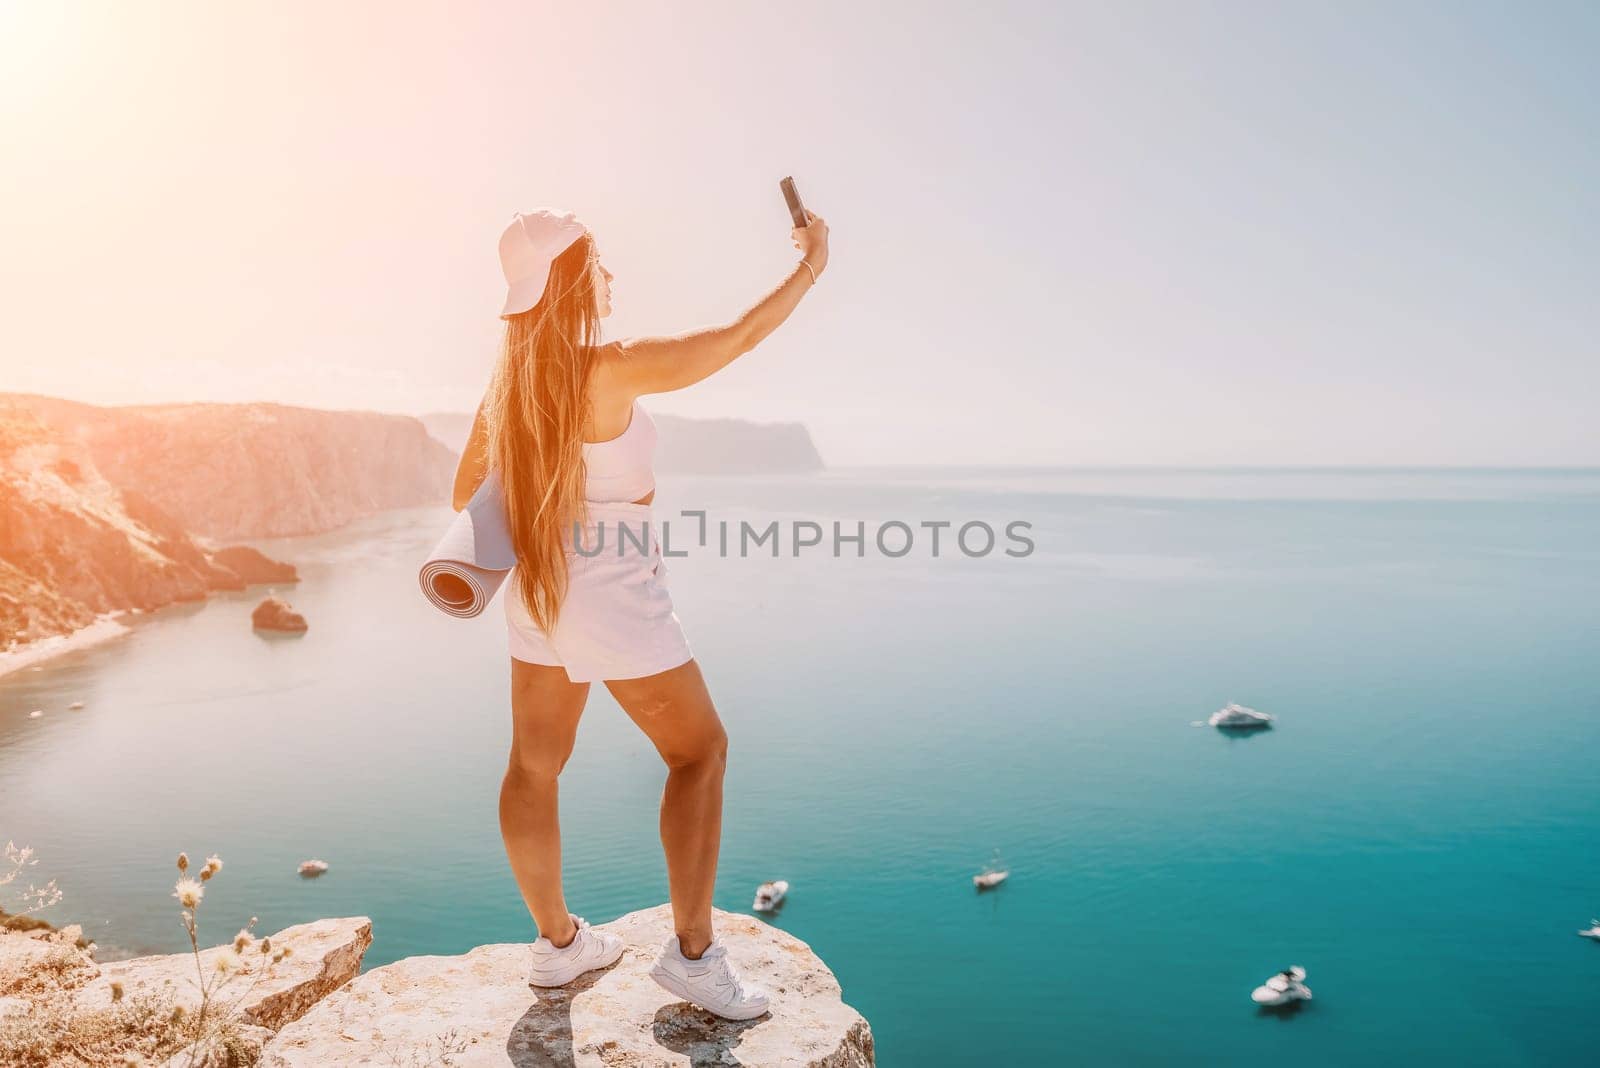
<point x="30" y="653"/>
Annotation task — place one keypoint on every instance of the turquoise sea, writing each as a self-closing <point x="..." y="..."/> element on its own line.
<point x="1421" y="830"/>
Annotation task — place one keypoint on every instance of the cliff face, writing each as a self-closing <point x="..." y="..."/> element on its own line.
<point x="74" y="545"/>
<point x="258" y="470"/>
<point x="693" y="446"/>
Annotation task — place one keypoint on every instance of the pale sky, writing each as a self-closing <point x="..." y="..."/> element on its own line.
<point x="1062" y="234"/>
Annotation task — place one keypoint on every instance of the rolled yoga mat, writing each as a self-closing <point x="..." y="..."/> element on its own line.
<point x="472" y="560"/>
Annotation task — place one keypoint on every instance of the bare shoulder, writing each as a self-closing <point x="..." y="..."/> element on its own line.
<point x="611" y="393"/>
<point x="612" y="383"/>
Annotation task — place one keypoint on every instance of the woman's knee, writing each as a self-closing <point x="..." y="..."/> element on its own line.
<point x="677" y="714"/>
<point x="545" y="709"/>
<point x="536" y="767"/>
<point x="708" y="749"/>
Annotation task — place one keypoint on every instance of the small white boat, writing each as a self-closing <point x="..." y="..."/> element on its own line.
<point x="770" y="895"/>
<point x="1285" y="987"/>
<point x="313" y="868"/>
<point x="36" y="713"/>
<point x="1593" y="931"/>
<point x="1234" y="716"/>
<point x="991" y="876"/>
<point x="75" y="706"/>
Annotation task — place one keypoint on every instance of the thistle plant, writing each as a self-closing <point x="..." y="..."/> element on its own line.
<point x="231" y="963"/>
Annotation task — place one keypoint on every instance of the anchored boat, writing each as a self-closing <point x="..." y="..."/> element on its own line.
<point x="991" y="876"/>
<point x="1287" y="986"/>
<point x="1237" y="717"/>
<point x="770" y="895"/>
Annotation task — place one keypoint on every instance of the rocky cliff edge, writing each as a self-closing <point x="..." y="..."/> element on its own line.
<point x="474" y="1009"/>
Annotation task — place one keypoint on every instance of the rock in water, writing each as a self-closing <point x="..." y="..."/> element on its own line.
<point x="477" y="1009"/>
<point x="275" y="614"/>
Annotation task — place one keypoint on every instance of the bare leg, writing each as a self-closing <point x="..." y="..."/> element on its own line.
<point x="674" y="709"/>
<point x="545" y="707"/>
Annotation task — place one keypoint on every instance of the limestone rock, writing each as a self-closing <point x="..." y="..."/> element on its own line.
<point x="477" y="1009"/>
<point x="45" y="972"/>
<point x="276" y="614"/>
<point x="325" y="954"/>
<point x="32" y="961"/>
<point x="35" y="927"/>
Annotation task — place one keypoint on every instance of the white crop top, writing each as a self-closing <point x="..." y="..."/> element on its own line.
<point x="621" y="469"/>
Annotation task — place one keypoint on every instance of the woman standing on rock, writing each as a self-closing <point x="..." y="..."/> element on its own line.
<point x="562" y="428"/>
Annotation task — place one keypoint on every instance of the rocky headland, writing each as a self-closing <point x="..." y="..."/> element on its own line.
<point x="76" y="548"/>
<point x="105" y="511"/>
<point x="733" y="447"/>
<point x="235" y="471"/>
<point x="316" y="1007"/>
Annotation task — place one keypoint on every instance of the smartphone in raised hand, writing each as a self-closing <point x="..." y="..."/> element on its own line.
<point x="797" y="211"/>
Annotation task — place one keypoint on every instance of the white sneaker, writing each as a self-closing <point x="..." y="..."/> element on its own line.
<point x="588" y="950"/>
<point x="711" y="982"/>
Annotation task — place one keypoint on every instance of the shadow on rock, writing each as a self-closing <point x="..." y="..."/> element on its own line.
<point x="542" y="1038"/>
<point x="705" y="1038"/>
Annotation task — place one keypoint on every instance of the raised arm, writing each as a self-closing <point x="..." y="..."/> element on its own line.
<point x="663" y="364"/>
<point x="474" y="463"/>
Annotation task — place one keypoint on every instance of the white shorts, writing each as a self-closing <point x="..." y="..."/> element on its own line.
<point x="617" y="620"/>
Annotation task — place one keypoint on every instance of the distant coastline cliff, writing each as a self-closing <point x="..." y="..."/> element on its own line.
<point x="693" y="446"/>
<point x="106" y="510"/>
<point x="259" y="470"/>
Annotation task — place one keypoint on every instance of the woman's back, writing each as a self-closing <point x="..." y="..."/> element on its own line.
<point x="621" y="469"/>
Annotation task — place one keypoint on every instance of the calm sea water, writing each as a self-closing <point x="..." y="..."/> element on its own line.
<point x="1421" y="831"/>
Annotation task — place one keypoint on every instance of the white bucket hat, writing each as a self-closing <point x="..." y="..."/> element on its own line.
<point x="527" y="249"/>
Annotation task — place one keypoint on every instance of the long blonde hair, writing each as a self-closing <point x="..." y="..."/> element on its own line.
<point x="537" y="403"/>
